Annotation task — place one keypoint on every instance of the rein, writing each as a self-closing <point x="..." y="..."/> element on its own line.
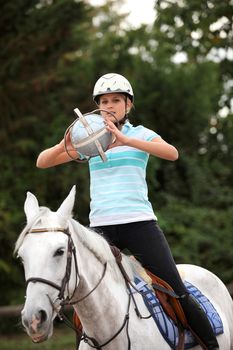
<point x="76" y="301"/>
<point x="97" y="346"/>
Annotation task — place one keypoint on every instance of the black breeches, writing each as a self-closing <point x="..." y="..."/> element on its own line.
<point x="146" y="241"/>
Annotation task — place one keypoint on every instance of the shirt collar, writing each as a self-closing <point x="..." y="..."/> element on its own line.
<point x="126" y="127"/>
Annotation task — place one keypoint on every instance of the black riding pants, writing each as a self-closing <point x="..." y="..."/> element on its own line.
<point x="146" y="241"/>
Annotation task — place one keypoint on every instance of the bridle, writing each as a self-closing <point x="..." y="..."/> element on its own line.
<point x="71" y="252"/>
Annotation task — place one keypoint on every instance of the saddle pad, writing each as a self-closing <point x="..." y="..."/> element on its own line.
<point x="166" y="325"/>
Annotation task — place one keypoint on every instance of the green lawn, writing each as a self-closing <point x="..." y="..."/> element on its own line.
<point x="63" y="339"/>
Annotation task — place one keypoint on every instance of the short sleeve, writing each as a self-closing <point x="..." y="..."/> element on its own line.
<point x="149" y="135"/>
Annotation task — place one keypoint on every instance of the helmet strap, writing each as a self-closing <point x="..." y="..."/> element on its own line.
<point x="123" y="120"/>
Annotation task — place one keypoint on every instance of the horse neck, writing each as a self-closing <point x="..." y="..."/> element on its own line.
<point x="108" y="301"/>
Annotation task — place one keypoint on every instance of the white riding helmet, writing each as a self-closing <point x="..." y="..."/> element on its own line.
<point x="110" y="83"/>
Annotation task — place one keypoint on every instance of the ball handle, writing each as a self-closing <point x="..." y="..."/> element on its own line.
<point x="90" y="131"/>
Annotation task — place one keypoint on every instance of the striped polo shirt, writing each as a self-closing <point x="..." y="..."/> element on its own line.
<point x="118" y="187"/>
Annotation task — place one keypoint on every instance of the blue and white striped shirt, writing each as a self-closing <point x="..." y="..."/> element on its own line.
<point x="118" y="187"/>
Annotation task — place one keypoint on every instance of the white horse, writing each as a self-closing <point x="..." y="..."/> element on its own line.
<point x="63" y="259"/>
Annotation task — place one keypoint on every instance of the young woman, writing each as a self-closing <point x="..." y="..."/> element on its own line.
<point x="120" y="208"/>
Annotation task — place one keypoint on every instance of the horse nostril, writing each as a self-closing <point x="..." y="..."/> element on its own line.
<point x="43" y="316"/>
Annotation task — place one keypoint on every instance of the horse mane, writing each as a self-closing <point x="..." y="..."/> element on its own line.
<point x="95" y="243"/>
<point x="100" y="247"/>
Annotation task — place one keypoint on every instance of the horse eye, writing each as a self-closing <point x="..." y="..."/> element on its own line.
<point x="59" y="252"/>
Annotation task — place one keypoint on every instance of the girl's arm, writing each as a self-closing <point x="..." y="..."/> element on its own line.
<point x="56" y="155"/>
<point x="156" y="147"/>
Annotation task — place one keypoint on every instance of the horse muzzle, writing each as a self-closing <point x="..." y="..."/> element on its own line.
<point x="38" y="325"/>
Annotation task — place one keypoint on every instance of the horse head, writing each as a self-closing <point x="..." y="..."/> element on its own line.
<point x="44" y="247"/>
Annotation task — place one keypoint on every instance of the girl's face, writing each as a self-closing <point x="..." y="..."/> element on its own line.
<point x="115" y="103"/>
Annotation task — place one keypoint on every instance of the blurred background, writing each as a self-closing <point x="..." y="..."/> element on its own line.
<point x="178" y="57"/>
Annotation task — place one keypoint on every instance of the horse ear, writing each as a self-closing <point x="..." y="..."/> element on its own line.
<point x="65" y="209"/>
<point x="31" y="206"/>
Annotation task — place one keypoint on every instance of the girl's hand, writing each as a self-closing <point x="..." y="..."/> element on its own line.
<point x="120" y="139"/>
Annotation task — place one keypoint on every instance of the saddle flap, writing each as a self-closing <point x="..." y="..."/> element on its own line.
<point x="170" y="304"/>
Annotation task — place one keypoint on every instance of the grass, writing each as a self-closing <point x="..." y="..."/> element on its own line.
<point x="63" y="339"/>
